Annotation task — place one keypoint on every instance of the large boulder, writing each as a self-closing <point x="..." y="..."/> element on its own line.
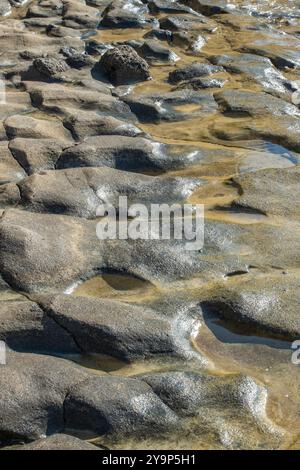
<point x="123" y="65"/>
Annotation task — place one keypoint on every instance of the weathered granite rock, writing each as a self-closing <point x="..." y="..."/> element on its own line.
<point x="122" y="18"/>
<point x="139" y="154"/>
<point x="117" y="406"/>
<point x="78" y="15"/>
<point x="209" y="7"/>
<point x="46" y="257"/>
<point x="279" y="130"/>
<point x="83" y="124"/>
<point x="202" y="83"/>
<point x="57" y="99"/>
<point x="32" y="128"/>
<point x="61" y="31"/>
<point x="166" y="6"/>
<point x="164" y="107"/>
<point x="153" y="52"/>
<point x="45" y="9"/>
<point x="120" y="330"/>
<point x="224" y="406"/>
<point x="75" y="58"/>
<point x="25" y="327"/>
<point x="80" y="191"/>
<point x="35" y="155"/>
<point x="10" y="170"/>
<point x="273" y="192"/>
<point x="267" y="304"/>
<point x="255" y="69"/>
<point x="254" y="104"/>
<point x="33" y="391"/>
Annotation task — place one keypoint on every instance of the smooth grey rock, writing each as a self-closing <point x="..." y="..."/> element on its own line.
<point x="80" y="191"/>
<point x="10" y="170"/>
<point x="209" y="7"/>
<point x="32" y="128"/>
<point x="25" y="327"/>
<point x="254" y="103"/>
<point x="59" y="98"/>
<point x="117" y="406"/>
<point x="47" y="257"/>
<point x="83" y="124"/>
<point x="163" y="107"/>
<point x="272" y="192"/>
<point x="152" y="51"/>
<point x="79" y="15"/>
<point x="267" y="304"/>
<point x="121" y="18"/>
<point x="35" y="155"/>
<point x="120" y="330"/>
<point x="33" y="391"/>
<point x="223" y="406"/>
<point x="195" y="70"/>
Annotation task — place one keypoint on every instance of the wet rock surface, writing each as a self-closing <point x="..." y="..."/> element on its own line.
<point x="143" y="343"/>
